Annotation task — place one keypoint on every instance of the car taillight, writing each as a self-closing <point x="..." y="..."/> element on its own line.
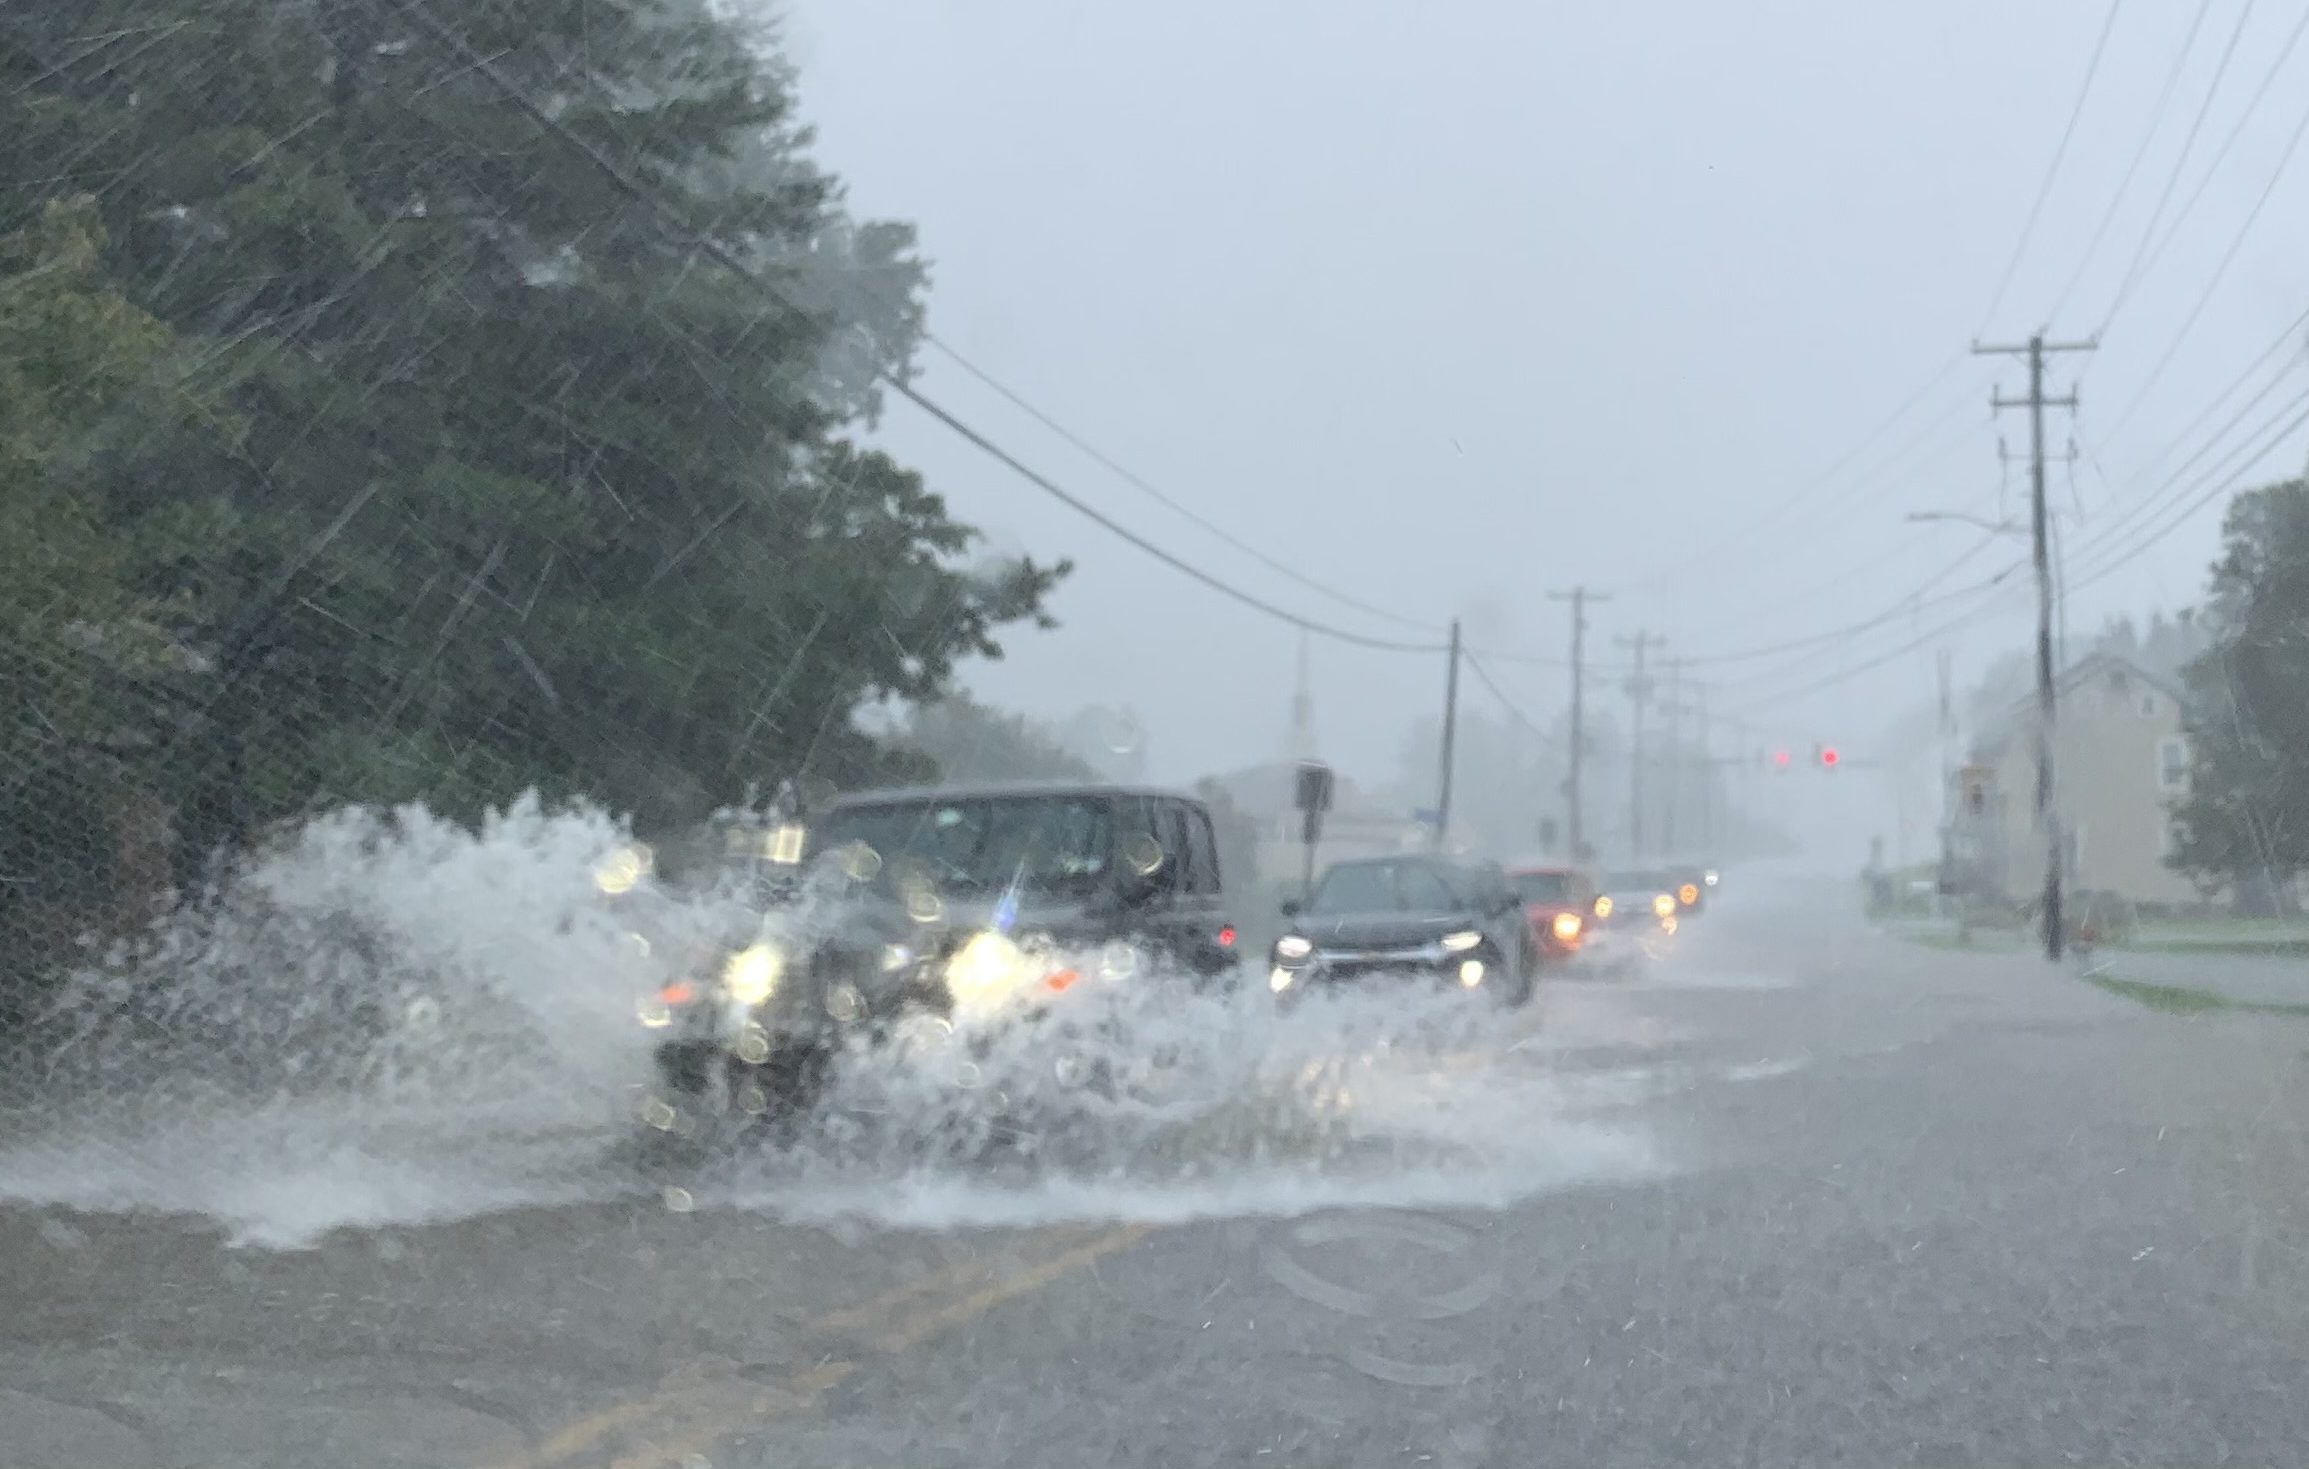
<point x="1227" y="937"/>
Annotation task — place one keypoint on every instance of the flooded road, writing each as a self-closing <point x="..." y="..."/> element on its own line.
<point x="1790" y="1192"/>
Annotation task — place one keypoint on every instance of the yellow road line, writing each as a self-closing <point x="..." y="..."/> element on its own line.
<point x="716" y="1407"/>
<point x="954" y="1313"/>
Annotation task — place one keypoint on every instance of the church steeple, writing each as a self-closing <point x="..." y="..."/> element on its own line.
<point x="1300" y="742"/>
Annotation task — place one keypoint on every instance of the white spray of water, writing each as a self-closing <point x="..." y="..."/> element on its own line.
<point x="392" y="1019"/>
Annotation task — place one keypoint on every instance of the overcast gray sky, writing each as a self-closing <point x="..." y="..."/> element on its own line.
<point x="1450" y="304"/>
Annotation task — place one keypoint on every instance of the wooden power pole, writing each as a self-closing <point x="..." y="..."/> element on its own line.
<point x="2047" y="813"/>
<point x="1579" y="597"/>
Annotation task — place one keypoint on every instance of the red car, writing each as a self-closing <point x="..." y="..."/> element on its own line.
<point x="1559" y="903"/>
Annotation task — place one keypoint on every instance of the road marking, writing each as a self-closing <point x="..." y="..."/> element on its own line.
<point x="954" y="1313"/>
<point x="692" y="1411"/>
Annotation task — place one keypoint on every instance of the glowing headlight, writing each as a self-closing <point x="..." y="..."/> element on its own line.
<point x="619" y="872"/>
<point x="1462" y="941"/>
<point x="1709" y="877"/>
<point x="987" y="968"/>
<point x="1688" y="893"/>
<point x="1665" y="905"/>
<point x="1471" y="974"/>
<point x="1292" y="946"/>
<point x="1603" y="907"/>
<point x="751" y="976"/>
<point x="1279" y="979"/>
<point x="1565" y="927"/>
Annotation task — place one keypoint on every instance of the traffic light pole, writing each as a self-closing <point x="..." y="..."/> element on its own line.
<point x="2040" y="554"/>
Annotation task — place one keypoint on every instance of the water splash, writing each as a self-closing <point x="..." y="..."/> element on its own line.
<point x="388" y="1018"/>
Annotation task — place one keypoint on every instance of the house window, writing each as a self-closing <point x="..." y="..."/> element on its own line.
<point x="2173" y="764"/>
<point x="2169" y="839"/>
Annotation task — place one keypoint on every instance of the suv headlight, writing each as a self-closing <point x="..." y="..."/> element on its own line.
<point x="1462" y="941"/>
<point x="1566" y="927"/>
<point x="1665" y="905"/>
<point x="751" y="976"/>
<point x="1293" y="946"/>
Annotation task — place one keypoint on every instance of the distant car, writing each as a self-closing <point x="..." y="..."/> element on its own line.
<point x="1410" y="917"/>
<point x="1691" y="888"/>
<point x="1639" y="899"/>
<point x="1559" y="904"/>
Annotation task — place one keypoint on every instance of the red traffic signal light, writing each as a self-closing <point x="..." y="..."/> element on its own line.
<point x="1828" y="756"/>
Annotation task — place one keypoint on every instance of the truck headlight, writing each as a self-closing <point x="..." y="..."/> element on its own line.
<point x="1293" y="946"/>
<point x="1664" y="905"/>
<point x="1462" y="941"/>
<point x="1603" y="907"/>
<point x="987" y="968"/>
<point x="1565" y="927"/>
<point x="751" y="976"/>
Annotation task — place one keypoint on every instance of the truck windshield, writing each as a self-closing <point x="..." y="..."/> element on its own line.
<point x="1033" y="843"/>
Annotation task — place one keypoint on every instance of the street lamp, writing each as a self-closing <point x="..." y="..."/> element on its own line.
<point x="1993" y="527"/>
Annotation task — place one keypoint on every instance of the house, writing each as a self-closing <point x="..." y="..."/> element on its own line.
<point x="2120" y="759"/>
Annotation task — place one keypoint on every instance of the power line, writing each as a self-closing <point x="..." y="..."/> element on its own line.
<point x="2157" y="111"/>
<point x="2228" y="258"/>
<point x="1139" y="482"/>
<point x="2147" y="504"/>
<point x="2254" y="453"/>
<point x="2052" y="169"/>
<point x="627" y="185"/>
<point x="1907" y="606"/>
<point x="2292" y="333"/>
<point x="2236" y="131"/>
<point x="1514" y="710"/>
<point x="2133" y="271"/>
<point x="1753" y="521"/>
<point x="2271" y="435"/>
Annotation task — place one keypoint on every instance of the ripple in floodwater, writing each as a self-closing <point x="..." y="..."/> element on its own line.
<point x="219" y="1073"/>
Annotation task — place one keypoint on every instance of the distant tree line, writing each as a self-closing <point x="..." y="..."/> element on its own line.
<point x="361" y="441"/>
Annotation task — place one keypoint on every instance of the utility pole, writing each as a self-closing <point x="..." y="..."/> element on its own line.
<point x="1639" y="689"/>
<point x="1450" y="739"/>
<point x="1675" y="771"/>
<point x="1579" y="597"/>
<point x="2047" y="814"/>
<point x="1707" y="775"/>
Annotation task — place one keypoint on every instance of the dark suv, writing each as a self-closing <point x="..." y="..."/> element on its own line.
<point x="984" y="904"/>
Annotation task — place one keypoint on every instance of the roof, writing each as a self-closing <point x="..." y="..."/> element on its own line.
<point x="2075" y="676"/>
<point x="997" y="789"/>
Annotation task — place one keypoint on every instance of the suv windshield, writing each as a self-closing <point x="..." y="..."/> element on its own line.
<point x="1383" y="887"/>
<point x="1034" y="843"/>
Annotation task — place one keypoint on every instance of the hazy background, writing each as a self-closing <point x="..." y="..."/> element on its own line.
<point x="1450" y="305"/>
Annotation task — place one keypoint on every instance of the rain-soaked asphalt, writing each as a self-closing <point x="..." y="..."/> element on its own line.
<point x="1825" y="1198"/>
